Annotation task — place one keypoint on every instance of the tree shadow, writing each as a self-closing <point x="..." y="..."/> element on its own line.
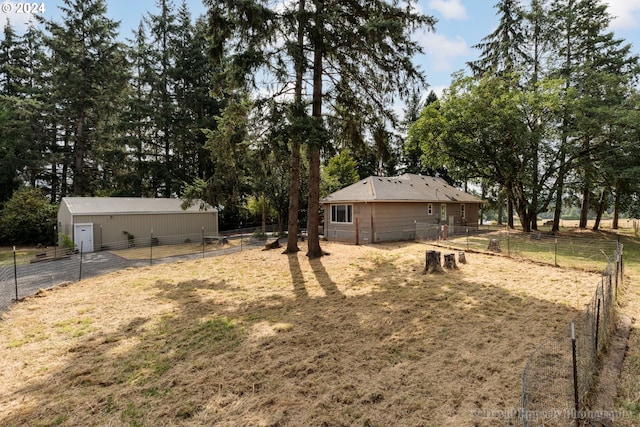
<point x="427" y="352"/>
<point x="328" y="285"/>
<point x="297" y="278"/>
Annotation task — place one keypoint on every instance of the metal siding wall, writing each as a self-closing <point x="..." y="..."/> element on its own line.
<point x="140" y="225"/>
<point x="64" y="220"/>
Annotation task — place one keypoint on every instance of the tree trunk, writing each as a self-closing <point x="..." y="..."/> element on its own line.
<point x="313" y="213"/>
<point x="298" y="114"/>
<point x="450" y="261"/>
<point x="432" y="263"/>
<point x="79" y="148"/>
<point x="510" y="212"/>
<point x="557" y="213"/>
<point x="601" y="206"/>
<point x="616" y="208"/>
<point x="264" y="213"/>
<point x="584" y="210"/>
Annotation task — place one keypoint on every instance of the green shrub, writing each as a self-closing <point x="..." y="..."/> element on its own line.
<point x="259" y="234"/>
<point x="28" y="218"/>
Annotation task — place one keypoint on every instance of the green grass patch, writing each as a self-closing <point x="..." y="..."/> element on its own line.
<point x="23" y="256"/>
<point x="75" y="327"/>
<point x="34" y="334"/>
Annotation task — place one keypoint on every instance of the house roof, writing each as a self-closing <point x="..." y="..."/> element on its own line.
<point x="128" y="205"/>
<point x="404" y="188"/>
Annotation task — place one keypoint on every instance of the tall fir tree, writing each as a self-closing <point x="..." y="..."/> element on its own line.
<point x="89" y="75"/>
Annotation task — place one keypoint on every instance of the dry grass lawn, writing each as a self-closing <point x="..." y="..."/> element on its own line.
<point x="357" y="338"/>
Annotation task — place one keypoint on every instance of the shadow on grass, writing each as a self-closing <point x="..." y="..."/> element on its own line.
<point x="297" y="278"/>
<point x="429" y="351"/>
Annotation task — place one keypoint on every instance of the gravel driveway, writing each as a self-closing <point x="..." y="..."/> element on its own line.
<point x="42" y="275"/>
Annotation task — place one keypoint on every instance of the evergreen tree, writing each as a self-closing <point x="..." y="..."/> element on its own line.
<point x="596" y="69"/>
<point x="503" y="51"/>
<point x="22" y="92"/>
<point x="89" y="74"/>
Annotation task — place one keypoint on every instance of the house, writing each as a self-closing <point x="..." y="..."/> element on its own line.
<point x="99" y="222"/>
<point x="378" y="209"/>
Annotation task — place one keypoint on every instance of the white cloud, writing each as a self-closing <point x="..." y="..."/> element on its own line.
<point x="441" y="52"/>
<point x="438" y="90"/>
<point x="450" y="9"/>
<point x="626" y="14"/>
<point x="15" y="13"/>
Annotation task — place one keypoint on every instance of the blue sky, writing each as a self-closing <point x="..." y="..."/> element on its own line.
<point x="461" y="25"/>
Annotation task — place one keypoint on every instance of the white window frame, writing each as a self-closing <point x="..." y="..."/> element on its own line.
<point x="348" y="213"/>
<point x="463" y="212"/>
<point x="443" y="212"/>
<point x="430" y="209"/>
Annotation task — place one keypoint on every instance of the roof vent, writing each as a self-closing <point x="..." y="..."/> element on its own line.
<point x="364" y="182"/>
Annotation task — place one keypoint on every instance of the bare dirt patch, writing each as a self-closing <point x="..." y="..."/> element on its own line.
<point x="257" y="338"/>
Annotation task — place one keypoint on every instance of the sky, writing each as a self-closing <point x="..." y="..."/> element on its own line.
<point x="461" y="25"/>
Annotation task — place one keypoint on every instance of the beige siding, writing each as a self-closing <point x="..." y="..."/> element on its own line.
<point x="383" y="222"/>
<point x="396" y="221"/>
<point x="65" y="220"/>
<point x="108" y="229"/>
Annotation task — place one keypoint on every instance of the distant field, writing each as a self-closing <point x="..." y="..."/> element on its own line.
<point x="257" y="338"/>
<point x="604" y="224"/>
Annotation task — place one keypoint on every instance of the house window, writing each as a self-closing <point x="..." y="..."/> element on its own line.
<point x="462" y="212"/>
<point x="342" y="213"/>
<point x="443" y="211"/>
<point x="430" y="209"/>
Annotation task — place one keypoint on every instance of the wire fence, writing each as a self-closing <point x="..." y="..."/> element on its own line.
<point x="558" y="380"/>
<point x="26" y="271"/>
<point x="558" y="250"/>
<point x="559" y="377"/>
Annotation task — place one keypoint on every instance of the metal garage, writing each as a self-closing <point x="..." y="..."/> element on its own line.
<point x="100" y="222"/>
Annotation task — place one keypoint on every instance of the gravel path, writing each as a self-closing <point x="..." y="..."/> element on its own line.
<point x="42" y="275"/>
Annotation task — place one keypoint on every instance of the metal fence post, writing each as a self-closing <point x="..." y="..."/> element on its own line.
<point x="597" y="328"/>
<point x="15" y="271"/>
<point x="555" y="259"/>
<point x="467" y="238"/>
<point x="524" y="398"/>
<point x="80" y="270"/>
<point x="203" y="241"/>
<point x="151" y="248"/>
<point x="575" y="374"/>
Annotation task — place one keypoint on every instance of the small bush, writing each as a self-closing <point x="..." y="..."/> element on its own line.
<point x="259" y="235"/>
<point x="64" y="240"/>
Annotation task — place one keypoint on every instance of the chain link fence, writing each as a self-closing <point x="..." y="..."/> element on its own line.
<point x="26" y="272"/>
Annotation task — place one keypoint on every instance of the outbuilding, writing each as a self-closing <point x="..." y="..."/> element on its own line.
<point x="95" y="223"/>
<point x="378" y="209"/>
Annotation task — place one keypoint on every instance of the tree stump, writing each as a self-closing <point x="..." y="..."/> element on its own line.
<point x="273" y="245"/>
<point x="494" y="245"/>
<point x="450" y="261"/>
<point x="433" y="263"/>
<point x="462" y="259"/>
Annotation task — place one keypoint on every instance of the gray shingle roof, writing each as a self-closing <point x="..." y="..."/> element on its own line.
<point x="404" y="188"/>
<point x="121" y="205"/>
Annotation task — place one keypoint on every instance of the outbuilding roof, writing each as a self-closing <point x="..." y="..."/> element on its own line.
<point x="129" y="205"/>
<point x="404" y="188"/>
